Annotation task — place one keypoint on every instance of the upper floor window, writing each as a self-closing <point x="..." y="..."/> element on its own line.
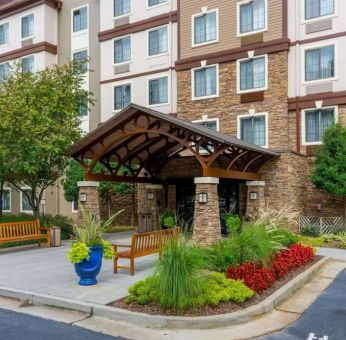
<point x="205" y="28"/>
<point x="205" y="82"/>
<point x="319" y="63"/>
<point x="28" y="26"/>
<point x="84" y="107"/>
<point x="318" y="8"/>
<point x="25" y="205"/>
<point x="158" y="91"/>
<point x="316" y="123"/>
<point x="122" y="50"/>
<point x="82" y="57"/>
<point x="152" y="3"/>
<point x="209" y="123"/>
<point x="122" y="96"/>
<point x="252" y="16"/>
<point x="253" y="74"/>
<point x="80" y="19"/>
<point x="4" y="33"/>
<point x="6" y="200"/>
<point x="28" y="64"/>
<point x="4" y="71"/>
<point x="122" y="7"/>
<point x="158" y="41"/>
<point x="253" y="130"/>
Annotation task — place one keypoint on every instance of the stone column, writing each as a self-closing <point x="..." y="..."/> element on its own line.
<point x="255" y="197"/>
<point x="206" y="223"/>
<point x="171" y="197"/>
<point x="89" y="198"/>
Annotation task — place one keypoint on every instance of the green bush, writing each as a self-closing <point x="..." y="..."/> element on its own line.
<point x="233" y="224"/>
<point x="310" y="230"/>
<point x="64" y="222"/>
<point x="169" y="221"/>
<point x="285" y="237"/>
<point x="144" y="291"/>
<point x="16" y="218"/>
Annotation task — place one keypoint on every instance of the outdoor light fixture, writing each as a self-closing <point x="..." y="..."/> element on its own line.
<point x="202" y="197"/>
<point x="83" y="197"/>
<point x="150" y="195"/>
<point x="253" y="195"/>
<point x="43" y="202"/>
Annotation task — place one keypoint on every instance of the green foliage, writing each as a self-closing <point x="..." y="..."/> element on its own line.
<point x="285" y="237"/>
<point x="329" y="171"/>
<point x="108" y="250"/>
<point x="78" y="252"/>
<point x="310" y="230"/>
<point x="64" y="222"/>
<point x="233" y="224"/>
<point x="167" y="218"/>
<point x="144" y="291"/>
<point x="16" y="218"/>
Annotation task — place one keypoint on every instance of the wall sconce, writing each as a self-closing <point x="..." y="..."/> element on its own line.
<point x="253" y="195"/>
<point x="150" y="195"/>
<point x="43" y="202"/>
<point x="83" y="197"/>
<point x="202" y="197"/>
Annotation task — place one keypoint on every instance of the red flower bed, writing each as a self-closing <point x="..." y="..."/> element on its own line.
<point x="258" y="278"/>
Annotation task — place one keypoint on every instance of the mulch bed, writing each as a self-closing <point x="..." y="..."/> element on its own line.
<point x="222" y="308"/>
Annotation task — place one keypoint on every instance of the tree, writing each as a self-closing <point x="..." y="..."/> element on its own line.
<point x="329" y="171"/>
<point x="39" y="120"/>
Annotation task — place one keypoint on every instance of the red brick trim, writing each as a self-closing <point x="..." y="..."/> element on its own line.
<point x="137" y="75"/>
<point x="325" y="37"/>
<point x="138" y="26"/>
<point x="329" y="98"/>
<point x="15" y="7"/>
<point x="272" y="46"/>
<point x="40" y="47"/>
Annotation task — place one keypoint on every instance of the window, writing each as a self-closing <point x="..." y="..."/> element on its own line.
<point x="158" y="41"/>
<point x="252" y="16"/>
<point x="6" y="200"/>
<point x="122" y="7"/>
<point x="253" y="130"/>
<point x="4" y="33"/>
<point x="24" y="204"/>
<point x="82" y="56"/>
<point x="158" y="91"/>
<point x="75" y="206"/>
<point x="316" y="123"/>
<point x="27" y="26"/>
<point x="80" y="19"/>
<point x="152" y="3"/>
<point x="205" y="28"/>
<point x="122" y="50"/>
<point x="84" y="107"/>
<point x="319" y="63"/>
<point x="4" y="71"/>
<point x="122" y="96"/>
<point x="205" y="82"/>
<point x="210" y="124"/>
<point x="252" y="74"/>
<point x="28" y="64"/>
<point x="318" y="8"/>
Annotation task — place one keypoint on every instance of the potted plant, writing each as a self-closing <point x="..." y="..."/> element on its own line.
<point x="167" y="219"/>
<point x="88" y="248"/>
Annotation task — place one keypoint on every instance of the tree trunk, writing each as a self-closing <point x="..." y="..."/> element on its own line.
<point x="2" y="183"/>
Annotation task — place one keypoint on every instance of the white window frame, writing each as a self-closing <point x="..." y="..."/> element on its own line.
<point x="307" y="21"/>
<point x="216" y="10"/>
<point x="73" y="210"/>
<point x="122" y="83"/>
<point x="239" y="91"/>
<point x="21" y="200"/>
<point x="6" y="188"/>
<point x="9" y="31"/>
<point x="131" y="47"/>
<point x="316" y="46"/>
<point x="31" y="36"/>
<point x="193" y="82"/>
<point x="168" y="42"/>
<point x="155" y="6"/>
<point x="123" y="15"/>
<point x="239" y="35"/>
<point x="74" y="34"/>
<point x="81" y="50"/>
<point x="28" y="56"/>
<point x="257" y="114"/>
<point x="303" y="120"/>
<point x="158" y="76"/>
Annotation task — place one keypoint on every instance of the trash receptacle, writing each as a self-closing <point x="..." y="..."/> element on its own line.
<point x="55" y="236"/>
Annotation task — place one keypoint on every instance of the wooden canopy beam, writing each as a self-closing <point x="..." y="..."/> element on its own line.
<point x="221" y="173"/>
<point x="114" y="178"/>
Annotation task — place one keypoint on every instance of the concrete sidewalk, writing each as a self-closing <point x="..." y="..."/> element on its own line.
<point x="337" y="254"/>
<point x="47" y="271"/>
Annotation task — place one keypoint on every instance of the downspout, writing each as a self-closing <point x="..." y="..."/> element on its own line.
<point x="298" y="80"/>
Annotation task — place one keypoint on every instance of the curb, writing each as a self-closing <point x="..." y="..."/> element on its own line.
<point x="169" y="322"/>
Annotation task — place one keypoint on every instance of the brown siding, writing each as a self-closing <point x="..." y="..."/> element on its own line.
<point x="227" y="25"/>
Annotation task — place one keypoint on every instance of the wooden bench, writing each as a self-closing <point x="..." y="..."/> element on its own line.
<point x="23" y="231"/>
<point x="143" y="244"/>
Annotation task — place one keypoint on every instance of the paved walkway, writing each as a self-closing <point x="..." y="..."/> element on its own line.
<point x="47" y="271"/>
<point x="338" y="254"/>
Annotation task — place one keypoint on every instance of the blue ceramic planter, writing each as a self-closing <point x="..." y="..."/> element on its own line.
<point x="87" y="270"/>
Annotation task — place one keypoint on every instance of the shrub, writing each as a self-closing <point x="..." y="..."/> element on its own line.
<point x="64" y="222"/>
<point x="16" y="218"/>
<point x="310" y="230"/>
<point x="285" y="237"/>
<point x="233" y="224"/>
<point x="78" y="252"/>
<point x="144" y="291"/>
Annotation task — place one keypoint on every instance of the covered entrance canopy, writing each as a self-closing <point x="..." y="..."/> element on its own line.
<point x="143" y="141"/>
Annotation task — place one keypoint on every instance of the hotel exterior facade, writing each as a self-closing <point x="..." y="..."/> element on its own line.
<point x="266" y="72"/>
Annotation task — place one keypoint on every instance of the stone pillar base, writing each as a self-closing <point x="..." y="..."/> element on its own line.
<point x="255" y="198"/>
<point x="89" y="199"/>
<point x="206" y="224"/>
